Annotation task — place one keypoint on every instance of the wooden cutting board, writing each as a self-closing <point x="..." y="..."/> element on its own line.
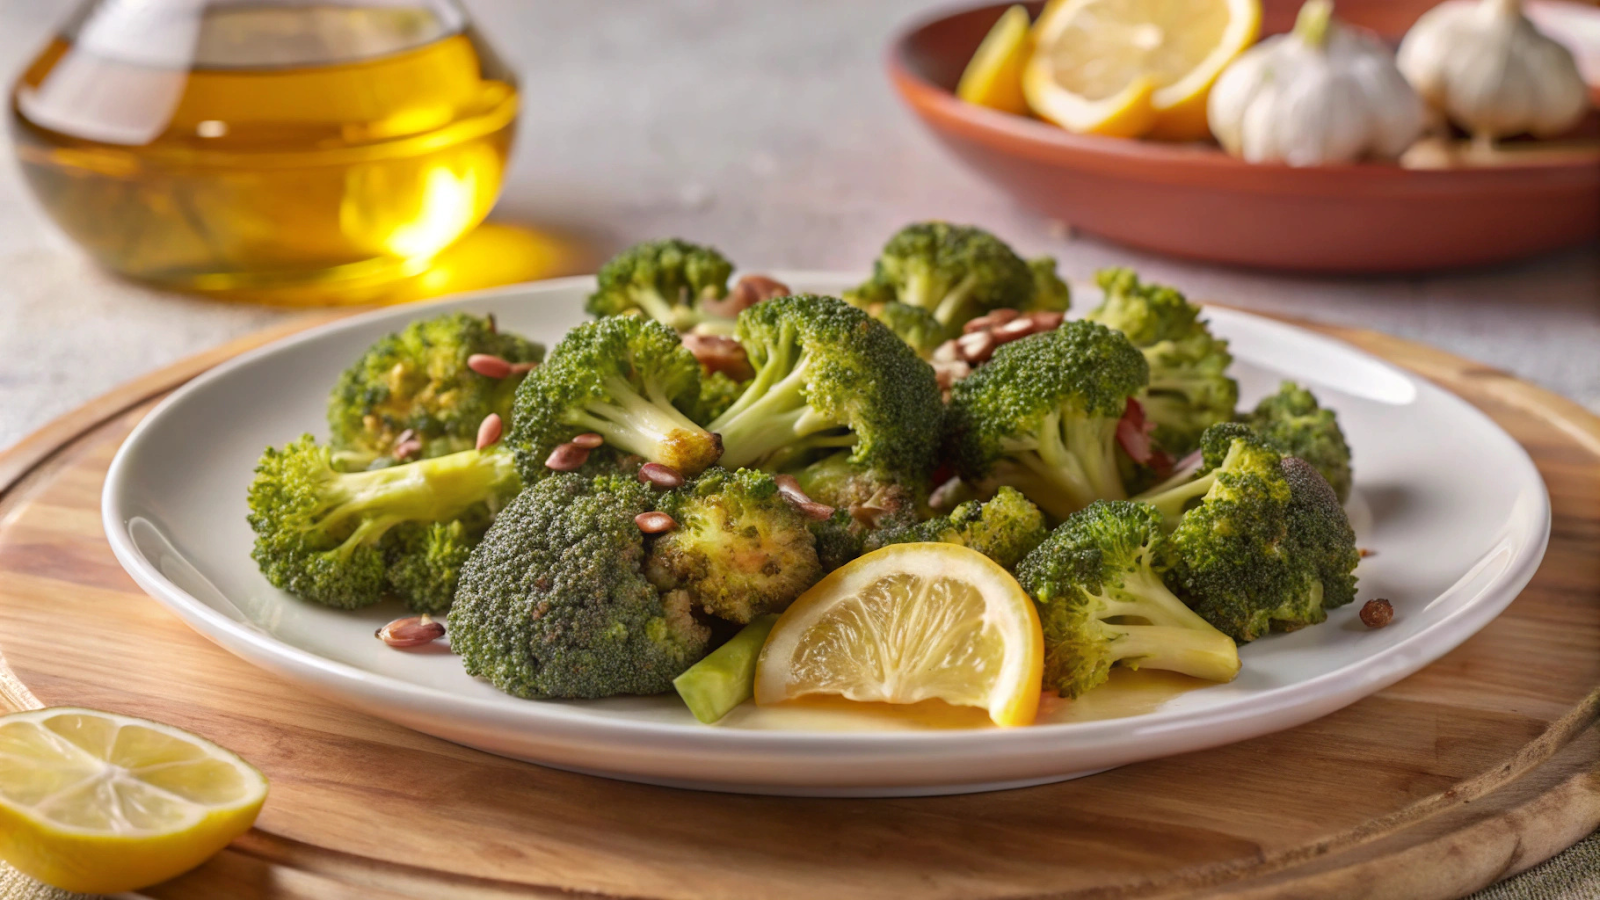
<point x="1478" y="767"/>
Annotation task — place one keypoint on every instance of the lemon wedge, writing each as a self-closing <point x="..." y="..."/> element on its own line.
<point x="1133" y="68"/>
<point x="993" y="76"/>
<point x="101" y="803"/>
<point x="907" y="623"/>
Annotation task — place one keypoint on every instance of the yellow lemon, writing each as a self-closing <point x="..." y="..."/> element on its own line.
<point x="1131" y="68"/>
<point x="907" y="623"/>
<point x="993" y="76"/>
<point x="101" y="803"/>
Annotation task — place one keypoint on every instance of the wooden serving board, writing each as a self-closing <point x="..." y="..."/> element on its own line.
<point x="1478" y="767"/>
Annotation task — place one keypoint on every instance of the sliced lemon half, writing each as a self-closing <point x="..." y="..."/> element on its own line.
<point x="993" y="76"/>
<point x="907" y="623"/>
<point x="1131" y="68"/>
<point x="100" y="803"/>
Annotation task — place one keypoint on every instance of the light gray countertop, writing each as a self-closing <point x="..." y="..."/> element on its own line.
<point x="767" y="129"/>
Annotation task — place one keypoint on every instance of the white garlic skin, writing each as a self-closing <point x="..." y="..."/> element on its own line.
<point x="1284" y="101"/>
<point x="1483" y="64"/>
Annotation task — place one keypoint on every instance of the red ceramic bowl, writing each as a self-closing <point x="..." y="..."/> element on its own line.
<point x="1194" y="201"/>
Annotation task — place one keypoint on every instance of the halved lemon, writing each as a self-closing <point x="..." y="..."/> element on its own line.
<point x="993" y="76"/>
<point x="101" y="803"/>
<point x="907" y="623"/>
<point x="1130" y="68"/>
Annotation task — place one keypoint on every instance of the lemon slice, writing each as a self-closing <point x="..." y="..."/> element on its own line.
<point x="993" y="76"/>
<point x="101" y="803"/>
<point x="907" y="623"/>
<point x="1130" y="68"/>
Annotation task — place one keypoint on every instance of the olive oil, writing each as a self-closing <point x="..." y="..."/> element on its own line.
<point x="296" y="154"/>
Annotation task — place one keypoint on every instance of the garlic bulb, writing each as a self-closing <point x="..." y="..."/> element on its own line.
<point x="1321" y="94"/>
<point x="1483" y="64"/>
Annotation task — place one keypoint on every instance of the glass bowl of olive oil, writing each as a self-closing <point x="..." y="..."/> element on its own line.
<point x="284" y="152"/>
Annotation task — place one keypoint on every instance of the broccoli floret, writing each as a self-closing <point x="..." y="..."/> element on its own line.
<point x="625" y="378"/>
<point x="1005" y="528"/>
<point x="667" y="280"/>
<point x="912" y="324"/>
<point x="874" y="498"/>
<point x="1189" y="385"/>
<point x="740" y="549"/>
<point x="350" y="539"/>
<point x="955" y="272"/>
<point x="717" y="393"/>
<point x="1292" y="421"/>
<point x="417" y="380"/>
<point x="830" y="380"/>
<point x="838" y="539"/>
<point x="1098" y="582"/>
<point x="1049" y="291"/>
<point x="1268" y="547"/>
<point x="1041" y="416"/>
<point x="1175" y="496"/>
<point x="555" y="603"/>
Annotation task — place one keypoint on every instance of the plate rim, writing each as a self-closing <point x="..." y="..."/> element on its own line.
<point x="1279" y="706"/>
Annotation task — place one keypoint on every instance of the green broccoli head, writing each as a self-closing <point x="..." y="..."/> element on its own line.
<point x="350" y="539"/>
<point x="1190" y="389"/>
<point x="417" y="380"/>
<point x="1292" y="421"/>
<point x="828" y="378"/>
<point x="1097" y="580"/>
<point x="1175" y="496"/>
<point x="625" y="378"/>
<point x="838" y="539"/>
<point x="912" y="324"/>
<point x="1050" y="293"/>
<point x="667" y="280"/>
<point x="955" y="272"/>
<point x="740" y="549"/>
<point x="1005" y="528"/>
<point x="874" y="497"/>
<point x="1042" y="414"/>
<point x="717" y="393"/>
<point x="1267" y="548"/>
<point x="554" y="603"/>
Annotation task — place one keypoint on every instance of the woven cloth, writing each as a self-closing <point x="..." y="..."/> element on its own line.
<point x="1573" y="875"/>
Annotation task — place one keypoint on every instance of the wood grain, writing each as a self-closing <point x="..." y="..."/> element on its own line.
<point x="1478" y="767"/>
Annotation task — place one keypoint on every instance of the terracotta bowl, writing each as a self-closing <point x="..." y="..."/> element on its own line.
<point x="1194" y="201"/>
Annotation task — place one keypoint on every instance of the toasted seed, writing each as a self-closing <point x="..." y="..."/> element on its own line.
<point x="654" y="522"/>
<point x="588" y="440"/>
<point x="976" y="347"/>
<point x="789" y="489"/>
<point x="489" y="430"/>
<point x="566" y="458"/>
<point x="949" y="351"/>
<point x="661" y="476"/>
<point x="407" y="445"/>
<point x="718" y="353"/>
<point x="1012" y="330"/>
<point x="412" y="631"/>
<point x="1377" y="613"/>
<point x="1047" y="321"/>
<point x="867" y="515"/>
<point x="947" y="373"/>
<point x="488" y="365"/>
<point x="990" y="320"/>
<point x="811" y="509"/>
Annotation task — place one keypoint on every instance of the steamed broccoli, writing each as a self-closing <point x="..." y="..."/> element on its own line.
<point x="1005" y="528"/>
<point x="838" y="539"/>
<point x="1189" y="385"/>
<point x="1042" y="416"/>
<point x="831" y="382"/>
<point x="667" y="280"/>
<point x="912" y="324"/>
<point x="1098" y="584"/>
<point x="874" y="497"/>
<point x="350" y="539"/>
<point x="1173" y="497"/>
<point x="555" y="603"/>
<point x="626" y="378"/>
<point x="1050" y="293"/>
<point x="417" y="380"/>
<point x="740" y="549"/>
<point x="955" y="272"/>
<point x="1292" y="421"/>
<point x="1268" y="547"/>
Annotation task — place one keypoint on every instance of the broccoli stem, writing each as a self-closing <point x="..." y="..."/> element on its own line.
<point x="1171" y="496"/>
<point x="1068" y="464"/>
<point x="1156" y="630"/>
<point x="952" y="308"/>
<point x="432" y="490"/>
<point x="648" y="426"/>
<point x="771" y="416"/>
<point x="663" y="310"/>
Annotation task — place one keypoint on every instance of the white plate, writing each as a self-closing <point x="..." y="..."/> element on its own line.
<point x="1454" y="508"/>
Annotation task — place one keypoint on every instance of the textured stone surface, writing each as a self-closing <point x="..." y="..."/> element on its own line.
<point x="768" y="129"/>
